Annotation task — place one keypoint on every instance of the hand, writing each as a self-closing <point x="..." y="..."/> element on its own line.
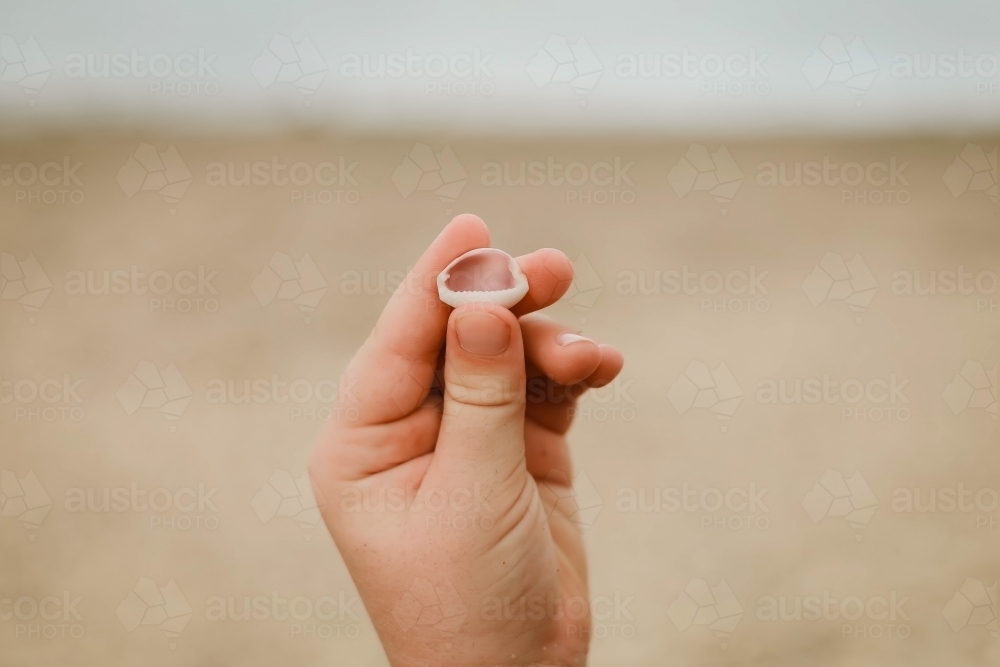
<point x="442" y="500"/>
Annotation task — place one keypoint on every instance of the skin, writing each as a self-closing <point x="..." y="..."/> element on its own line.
<point x="443" y="464"/>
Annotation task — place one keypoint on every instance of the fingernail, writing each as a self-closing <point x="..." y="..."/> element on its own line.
<point x="482" y="333"/>
<point x="569" y="338"/>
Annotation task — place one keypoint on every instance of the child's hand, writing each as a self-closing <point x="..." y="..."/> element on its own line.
<point x="458" y="549"/>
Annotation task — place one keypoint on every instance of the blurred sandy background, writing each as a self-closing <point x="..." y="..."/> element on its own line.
<point x="171" y="337"/>
<point x="631" y="438"/>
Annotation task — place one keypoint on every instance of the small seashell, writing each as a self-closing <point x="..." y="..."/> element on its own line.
<point x="485" y="274"/>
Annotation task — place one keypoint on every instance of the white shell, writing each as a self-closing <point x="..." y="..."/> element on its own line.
<point x="505" y="296"/>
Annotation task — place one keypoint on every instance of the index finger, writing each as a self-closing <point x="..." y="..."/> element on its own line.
<point x="392" y="372"/>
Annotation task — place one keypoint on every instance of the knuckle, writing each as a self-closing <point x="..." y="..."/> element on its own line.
<point x="484" y="390"/>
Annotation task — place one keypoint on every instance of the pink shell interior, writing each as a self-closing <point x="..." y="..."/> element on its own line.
<point x="481" y="272"/>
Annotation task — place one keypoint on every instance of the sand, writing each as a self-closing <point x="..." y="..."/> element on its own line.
<point x="715" y="299"/>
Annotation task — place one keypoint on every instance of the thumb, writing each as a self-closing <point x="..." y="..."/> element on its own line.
<point x="482" y="426"/>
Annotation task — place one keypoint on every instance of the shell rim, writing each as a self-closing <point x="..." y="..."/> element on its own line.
<point x="506" y="297"/>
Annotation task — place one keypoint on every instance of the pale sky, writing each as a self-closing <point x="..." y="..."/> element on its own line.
<point x="858" y="83"/>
